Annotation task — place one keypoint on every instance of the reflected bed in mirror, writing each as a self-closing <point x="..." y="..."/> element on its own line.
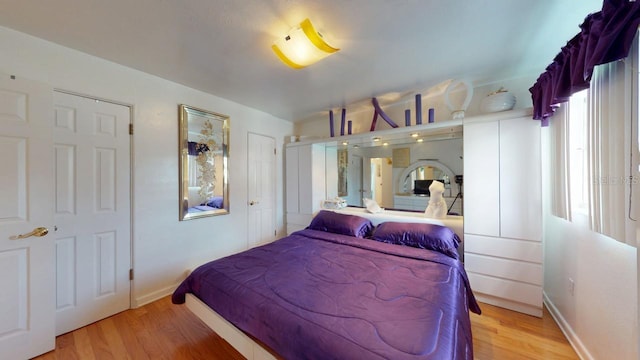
<point x="204" y="149"/>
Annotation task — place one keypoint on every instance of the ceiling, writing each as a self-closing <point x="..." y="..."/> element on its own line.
<point x="223" y="47"/>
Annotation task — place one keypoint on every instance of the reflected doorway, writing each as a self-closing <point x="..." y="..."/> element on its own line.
<point x="382" y="181"/>
<point x="355" y="191"/>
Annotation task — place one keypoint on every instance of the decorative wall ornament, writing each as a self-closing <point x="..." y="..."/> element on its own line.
<point x="457" y="112"/>
<point x="331" y="130"/>
<point x="418" y="109"/>
<point x="435" y="95"/>
<point x="206" y="161"/>
<point x="378" y="111"/>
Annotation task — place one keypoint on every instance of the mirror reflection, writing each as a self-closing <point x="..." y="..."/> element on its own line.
<point x="204" y="146"/>
<point x="398" y="175"/>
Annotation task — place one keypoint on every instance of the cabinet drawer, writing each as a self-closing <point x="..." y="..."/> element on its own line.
<point x="507" y="289"/>
<point x="504" y="268"/>
<point x="530" y="251"/>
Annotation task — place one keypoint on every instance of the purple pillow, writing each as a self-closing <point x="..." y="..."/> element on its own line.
<point x="215" y="202"/>
<point x="344" y="224"/>
<point x="420" y="235"/>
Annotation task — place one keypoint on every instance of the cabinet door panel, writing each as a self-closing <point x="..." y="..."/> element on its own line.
<point x="520" y="179"/>
<point x="305" y="184"/>
<point x="291" y="180"/>
<point x="482" y="179"/>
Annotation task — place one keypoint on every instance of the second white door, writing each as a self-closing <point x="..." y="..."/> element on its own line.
<point x="261" y="152"/>
<point x="92" y="210"/>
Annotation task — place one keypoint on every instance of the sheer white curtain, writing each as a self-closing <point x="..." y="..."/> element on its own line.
<point x="558" y="131"/>
<point x="609" y="155"/>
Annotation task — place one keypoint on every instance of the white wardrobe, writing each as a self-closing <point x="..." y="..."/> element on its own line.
<point x="503" y="210"/>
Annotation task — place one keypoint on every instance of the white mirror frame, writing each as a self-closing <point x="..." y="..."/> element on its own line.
<point x="421" y="163"/>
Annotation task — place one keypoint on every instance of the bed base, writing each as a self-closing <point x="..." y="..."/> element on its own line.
<point x="240" y="341"/>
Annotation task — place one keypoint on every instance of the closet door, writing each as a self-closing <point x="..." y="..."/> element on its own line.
<point x="27" y="253"/>
<point x="481" y="187"/>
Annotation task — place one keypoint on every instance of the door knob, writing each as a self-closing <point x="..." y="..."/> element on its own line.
<point x="39" y="231"/>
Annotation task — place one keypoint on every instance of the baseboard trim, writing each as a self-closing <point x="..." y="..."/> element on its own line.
<point x="566" y="329"/>
<point x="156" y="295"/>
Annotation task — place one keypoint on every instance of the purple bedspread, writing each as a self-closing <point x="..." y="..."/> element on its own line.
<point x="318" y="295"/>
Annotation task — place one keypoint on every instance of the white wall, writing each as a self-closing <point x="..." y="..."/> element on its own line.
<point x="601" y="317"/>
<point x="163" y="247"/>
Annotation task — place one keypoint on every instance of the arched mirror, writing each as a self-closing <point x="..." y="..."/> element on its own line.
<point x="417" y="177"/>
<point x="204" y="150"/>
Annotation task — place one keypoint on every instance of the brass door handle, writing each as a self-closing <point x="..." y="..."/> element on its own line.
<point x="39" y="231"/>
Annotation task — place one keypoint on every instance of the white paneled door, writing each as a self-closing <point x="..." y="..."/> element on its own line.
<point x="92" y="209"/>
<point x="27" y="295"/>
<point x="261" y="153"/>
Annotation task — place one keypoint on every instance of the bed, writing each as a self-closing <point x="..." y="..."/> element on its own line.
<point x="196" y="203"/>
<point x="341" y="289"/>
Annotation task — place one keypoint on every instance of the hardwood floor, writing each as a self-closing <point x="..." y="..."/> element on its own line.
<point x="502" y="334"/>
<point x="161" y="330"/>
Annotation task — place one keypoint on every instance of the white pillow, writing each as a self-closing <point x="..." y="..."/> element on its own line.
<point x="372" y="206"/>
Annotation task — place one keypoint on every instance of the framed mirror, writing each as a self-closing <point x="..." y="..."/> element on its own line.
<point x="204" y="153"/>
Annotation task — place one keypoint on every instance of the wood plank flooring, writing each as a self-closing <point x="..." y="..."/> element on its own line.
<point x="161" y="330"/>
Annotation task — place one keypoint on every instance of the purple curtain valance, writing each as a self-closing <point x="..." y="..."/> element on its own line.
<point x="605" y="36"/>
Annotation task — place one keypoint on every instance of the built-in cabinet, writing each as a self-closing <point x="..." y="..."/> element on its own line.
<point x="503" y="211"/>
<point x="305" y="183"/>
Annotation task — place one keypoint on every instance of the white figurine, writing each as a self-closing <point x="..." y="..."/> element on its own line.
<point x="437" y="207"/>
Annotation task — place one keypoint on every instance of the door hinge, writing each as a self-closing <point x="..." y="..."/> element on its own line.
<point x="130" y="129"/>
<point x="274" y="151"/>
<point x="130" y="274"/>
<point x="274" y="232"/>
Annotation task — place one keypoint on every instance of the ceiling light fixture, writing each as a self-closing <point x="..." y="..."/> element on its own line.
<point x="302" y="46"/>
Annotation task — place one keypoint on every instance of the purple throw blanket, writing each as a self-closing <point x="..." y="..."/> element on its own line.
<point x="318" y="295"/>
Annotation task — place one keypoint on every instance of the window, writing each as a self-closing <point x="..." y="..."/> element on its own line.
<point x="594" y="153"/>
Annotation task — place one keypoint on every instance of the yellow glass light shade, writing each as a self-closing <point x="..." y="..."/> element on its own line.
<point x="302" y="46"/>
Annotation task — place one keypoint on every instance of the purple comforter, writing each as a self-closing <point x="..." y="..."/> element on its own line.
<point x="317" y="295"/>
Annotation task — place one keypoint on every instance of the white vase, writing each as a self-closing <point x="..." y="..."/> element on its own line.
<point x="500" y="101"/>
